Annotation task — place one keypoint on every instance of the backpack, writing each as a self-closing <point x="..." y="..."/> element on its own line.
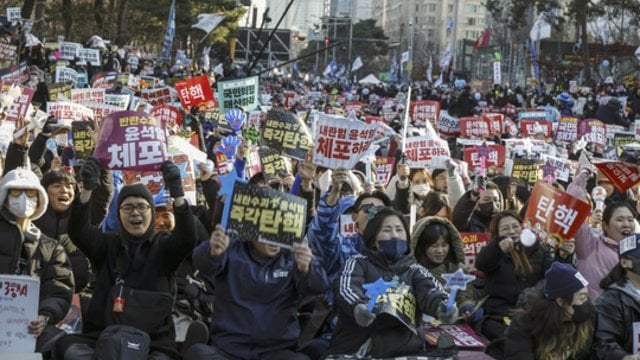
<point x="122" y="342"/>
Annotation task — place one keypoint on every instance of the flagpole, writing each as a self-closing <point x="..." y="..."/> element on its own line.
<point x="406" y="121"/>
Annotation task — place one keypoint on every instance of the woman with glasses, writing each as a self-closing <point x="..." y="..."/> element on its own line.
<point x="135" y="267"/>
<point x="509" y="268"/>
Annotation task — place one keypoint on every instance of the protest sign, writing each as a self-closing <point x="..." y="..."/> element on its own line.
<point x="167" y="113"/>
<point x="91" y="56"/>
<point x="15" y="74"/>
<point x="475" y="127"/>
<point x="420" y="150"/>
<point x="253" y="162"/>
<point x="496" y="123"/>
<point x="561" y="168"/>
<point x="637" y="128"/>
<point x="593" y="131"/>
<point x="83" y="142"/>
<point x="384" y="169"/>
<point x="7" y="52"/>
<point x="463" y="336"/>
<point x="268" y="215"/>
<point x="20" y="104"/>
<point x="525" y="147"/>
<point x="348" y="227"/>
<point x="423" y="111"/>
<point x="473" y="243"/>
<point x="623" y="138"/>
<point x="104" y="80"/>
<point x="533" y="115"/>
<point x="534" y="128"/>
<point x="494" y="158"/>
<point x="285" y="133"/>
<point x="353" y="106"/>
<point x="340" y="142"/>
<point x="118" y="100"/>
<point x="66" y="112"/>
<point x="194" y="91"/>
<point x="216" y="118"/>
<point x="69" y="50"/>
<point x="567" y="131"/>
<point x="132" y="140"/>
<point x="157" y="96"/>
<point x="6" y="135"/>
<point x="241" y="93"/>
<point x="19" y="296"/>
<point x="525" y="171"/>
<point x="622" y="175"/>
<point x="448" y="125"/>
<point x="80" y="95"/>
<point x="129" y="82"/>
<point x="610" y="130"/>
<point x="65" y="74"/>
<point x="396" y="304"/>
<point x="273" y="163"/>
<point x="554" y="214"/>
<point x="14" y="14"/>
<point x="100" y="110"/>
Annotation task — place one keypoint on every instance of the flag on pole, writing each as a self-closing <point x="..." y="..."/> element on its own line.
<point x="430" y="69"/>
<point x="208" y="22"/>
<point x="450" y="25"/>
<point x="405" y="57"/>
<point x="167" y="43"/>
<point x="393" y="69"/>
<point x="357" y="64"/>
<point x="331" y="68"/>
<point x="341" y="70"/>
<point x="541" y="28"/>
<point x="483" y="40"/>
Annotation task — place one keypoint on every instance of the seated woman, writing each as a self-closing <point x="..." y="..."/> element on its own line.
<point x="438" y="247"/>
<point x="386" y="260"/>
<point x="558" y="321"/>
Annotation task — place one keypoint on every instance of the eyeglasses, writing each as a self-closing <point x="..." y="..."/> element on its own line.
<point x="18" y="192"/>
<point x="505" y="229"/>
<point x="128" y="208"/>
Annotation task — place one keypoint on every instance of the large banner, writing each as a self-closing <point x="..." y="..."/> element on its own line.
<point x="553" y="214"/>
<point x="19" y="296"/>
<point x="420" y="150"/>
<point x="622" y="175"/>
<point x="131" y="140"/>
<point x="284" y="132"/>
<point x="265" y="214"/>
<point x="340" y="142"/>
<point x="195" y="91"/>
<point x="241" y="93"/>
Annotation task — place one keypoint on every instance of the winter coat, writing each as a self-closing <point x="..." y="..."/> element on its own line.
<point x="387" y="339"/>
<point x="610" y="113"/>
<point x="618" y="310"/>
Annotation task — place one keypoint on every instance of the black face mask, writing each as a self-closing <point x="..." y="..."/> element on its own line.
<point x="582" y="313"/>
<point x="636" y="264"/>
<point x="485" y="210"/>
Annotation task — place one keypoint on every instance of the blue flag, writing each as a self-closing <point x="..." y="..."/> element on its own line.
<point x="393" y="70"/>
<point x="167" y="43"/>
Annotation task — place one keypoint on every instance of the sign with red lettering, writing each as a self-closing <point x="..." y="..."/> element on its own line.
<point x="473" y="243"/>
<point x="20" y="104"/>
<point x="475" y="127"/>
<point x="167" y="113"/>
<point x="593" y="131"/>
<point x="463" y="336"/>
<point x="157" y="96"/>
<point x="423" y="111"/>
<point x="622" y="175"/>
<point x="340" y="142"/>
<point x="496" y="123"/>
<point x="533" y="128"/>
<point x="195" y="91"/>
<point x="554" y="214"/>
<point x="495" y="157"/>
<point x="384" y="169"/>
<point x="420" y="150"/>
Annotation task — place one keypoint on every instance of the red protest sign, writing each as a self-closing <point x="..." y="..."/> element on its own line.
<point x="532" y="128"/>
<point x="374" y="119"/>
<point x="167" y="113"/>
<point x="131" y="140"/>
<point x="496" y="123"/>
<point x="475" y="127"/>
<point x="195" y="91"/>
<point x="495" y="157"/>
<point x="553" y="213"/>
<point x="473" y="243"/>
<point x="424" y="110"/>
<point x="157" y="96"/>
<point x="622" y="175"/>
<point x="384" y="169"/>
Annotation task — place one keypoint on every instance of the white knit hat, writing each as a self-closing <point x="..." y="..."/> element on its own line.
<point x="21" y="178"/>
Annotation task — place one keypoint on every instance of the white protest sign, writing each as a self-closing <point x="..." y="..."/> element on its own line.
<point x="121" y="101"/>
<point x="91" y="56"/>
<point x="19" y="297"/>
<point x="497" y="73"/>
<point x="14" y="14"/>
<point x="64" y="74"/>
<point x="348" y="227"/>
<point x="340" y="142"/>
<point x="69" y="50"/>
<point x="6" y="135"/>
<point x="420" y="150"/>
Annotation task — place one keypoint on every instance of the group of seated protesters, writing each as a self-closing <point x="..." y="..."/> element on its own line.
<point x="121" y="255"/>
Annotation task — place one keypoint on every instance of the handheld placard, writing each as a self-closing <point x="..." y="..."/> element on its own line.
<point x="375" y="289"/>
<point x="455" y="281"/>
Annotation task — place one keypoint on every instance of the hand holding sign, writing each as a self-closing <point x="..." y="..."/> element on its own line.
<point x="455" y="281"/>
<point x="302" y="256"/>
<point x="219" y="241"/>
<point x="375" y="289"/>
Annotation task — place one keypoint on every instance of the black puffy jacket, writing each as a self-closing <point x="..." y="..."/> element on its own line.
<point x="618" y="309"/>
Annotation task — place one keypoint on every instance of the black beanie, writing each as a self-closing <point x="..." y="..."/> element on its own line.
<point x="562" y="280"/>
<point x="137" y="190"/>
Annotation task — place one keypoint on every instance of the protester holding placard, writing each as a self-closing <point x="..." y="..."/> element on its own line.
<point x="409" y="187"/>
<point x="473" y="211"/>
<point x="25" y="250"/>
<point x="509" y="267"/>
<point x="386" y="265"/>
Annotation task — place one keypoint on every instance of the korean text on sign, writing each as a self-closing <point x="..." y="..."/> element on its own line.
<point x="241" y="93"/>
<point x="341" y="143"/>
<point x="420" y="150"/>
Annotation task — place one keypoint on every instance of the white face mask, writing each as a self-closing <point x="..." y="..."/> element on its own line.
<point x="22" y="206"/>
<point x="421" y="189"/>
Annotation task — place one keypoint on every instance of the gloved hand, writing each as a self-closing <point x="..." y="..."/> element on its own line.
<point x="447" y="316"/>
<point x="172" y="179"/>
<point x="362" y="315"/>
<point x="90" y="173"/>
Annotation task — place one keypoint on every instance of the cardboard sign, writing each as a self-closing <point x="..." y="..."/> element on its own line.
<point x="593" y="131"/>
<point x="475" y="127"/>
<point x="554" y="214"/>
<point x="265" y="214"/>
<point x="423" y="111"/>
<point x="195" y="91"/>
<point x="622" y="175"/>
<point x="272" y="163"/>
<point x="285" y="133"/>
<point x="473" y="243"/>
<point x="241" y="93"/>
<point x="526" y="171"/>
<point x="567" y="131"/>
<point x="19" y="296"/>
<point x="420" y="150"/>
<point x="533" y="128"/>
<point x="495" y="158"/>
<point x="131" y="140"/>
<point x="83" y="143"/>
<point x="80" y="95"/>
<point x="384" y="169"/>
<point x="157" y="96"/>
<point x="20" y="105"/>
<point x="339" y="142"/>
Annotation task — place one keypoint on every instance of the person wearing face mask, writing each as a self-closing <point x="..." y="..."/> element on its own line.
<point x="385" y="257"/>
<point x="558" y="321"/>
<point x="25" y="250"/>
<point x="618" y="307"/>
<point x="408" y="188"/>
<point x="488" y="202"/>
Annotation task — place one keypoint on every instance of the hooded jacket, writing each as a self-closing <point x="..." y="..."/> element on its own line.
<point x="387" y="340"/>
<point x="618" y="309"/>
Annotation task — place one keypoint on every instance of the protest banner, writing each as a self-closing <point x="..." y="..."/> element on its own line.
<point x="65" y="74"/>
<point x="69" y="50"/>
<point x="592" y="131"/>
<point x="420" y="150"/>
<point x="567" y="131"/>
<point x="623" y="176"/>
<point x="118" y="100"/>
<point x="241" y="93"/>
<point x="494" y="158"/>
<point x="463" y="336"/>
<point x="20" y="104"/>
<point x="7" y="52"/>
<point x="340" y="142"/>
<point x="554" y="214"/>
<point x="67" y="112"/>
<point x="195" y="91"/>
<point x="525" y="171"/>
<point x="535" y="128"/>
<point x="157" y="96"/>
<point x="384" y="169"/>
<point x="19" y="295"/>
<point x="423" y="111"/>
<point x="622" y="138"/>
<point x="353" y="106"/>
<point x="273" y="163"/>
<point x="132" y="140"/>
<point x="17" y="74"/>
<point x="90" y="56"/>
<point x="80" y="95"/>
<point x="268" y="215"/>
<point x="475" y="127"/>
<point x="167" y="113"/>
<point x="561" y="169"/>
<point x="104" y="80"/>
<point x="285" y="133"/>
<point x="473" y="243"/>
<point x="83" y="139"/>
<point x="448" y="125"/>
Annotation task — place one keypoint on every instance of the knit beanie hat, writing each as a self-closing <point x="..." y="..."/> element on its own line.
<point x="137" y="190"/>
<point x="562" y="280"/>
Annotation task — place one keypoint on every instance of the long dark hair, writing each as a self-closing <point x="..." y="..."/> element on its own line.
<point x="521" y="264"/>
<point x="433" y="202"/>
<point x="544" y="320"/>
<point x="429" y="236"/>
